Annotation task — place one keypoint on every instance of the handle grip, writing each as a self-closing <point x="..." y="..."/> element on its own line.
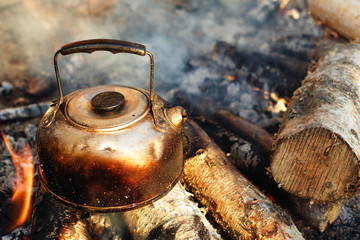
<point x="111" y="45"/>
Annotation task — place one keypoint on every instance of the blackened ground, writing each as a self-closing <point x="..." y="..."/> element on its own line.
<point x="232" y="54"/>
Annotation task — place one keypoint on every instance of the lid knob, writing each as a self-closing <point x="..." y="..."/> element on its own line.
<point x="107" y="101"/>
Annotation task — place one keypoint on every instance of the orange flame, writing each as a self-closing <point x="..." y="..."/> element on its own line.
<point x="24" y="165"/>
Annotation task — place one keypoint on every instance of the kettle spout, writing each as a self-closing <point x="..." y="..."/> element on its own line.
<point x="177" y="116"/>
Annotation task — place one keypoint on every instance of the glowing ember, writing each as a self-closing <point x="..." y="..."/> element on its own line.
<point x="294" y="14"/>
<point x="291" y="12"/>
<point x="24" y="165"/>
<point x="280" y="104"/>
<point x="230" y="78"/>
<point x="283" y="3"/>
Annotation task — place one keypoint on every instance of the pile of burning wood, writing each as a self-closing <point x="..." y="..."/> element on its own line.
<point x="246" y="176"/>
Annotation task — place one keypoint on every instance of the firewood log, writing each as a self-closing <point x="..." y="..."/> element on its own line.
<point x="339" y="15"/>
<point x="24" y="112"/>
<point x="316" y="152"/>
<point x="242" y="127"/>
<point x="245" y="158"/>
<point x="237" y="205"/>
<point x="317" y="215"/>
<point x="234" y="123"/>
<point x="174" y="216"/>
<point x="54" y="220"/>
<point x="249" y="160"/>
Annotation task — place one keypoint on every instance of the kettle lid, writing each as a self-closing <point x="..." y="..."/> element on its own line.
<point x="107" y="107"/>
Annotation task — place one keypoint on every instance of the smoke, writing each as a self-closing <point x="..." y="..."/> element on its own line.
<point x="181" y="34"/>
<point x="175" y="31"/>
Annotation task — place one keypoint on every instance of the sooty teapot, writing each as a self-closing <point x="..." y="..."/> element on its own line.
<point x="110" y="147"/>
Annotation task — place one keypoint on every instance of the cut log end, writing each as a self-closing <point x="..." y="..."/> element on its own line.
<point x="316" y="164"/>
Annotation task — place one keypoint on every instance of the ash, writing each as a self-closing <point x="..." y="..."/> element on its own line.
<point x="232" y="53"/>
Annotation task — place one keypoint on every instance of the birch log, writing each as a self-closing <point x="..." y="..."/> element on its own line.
<point x="317" y="149"/>
<point x="249" y="160"/>
<point x="339" y="15"/>
<point x="314" y="214"/>
<point x="237" y="205"/>
<point x="174" y="216"/>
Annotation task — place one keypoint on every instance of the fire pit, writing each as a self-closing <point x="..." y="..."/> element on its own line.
<point x="233" y="65"/>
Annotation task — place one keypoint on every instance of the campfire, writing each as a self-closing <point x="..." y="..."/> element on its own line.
<point x="270" y="146"/>
<point x="21" y="200"/>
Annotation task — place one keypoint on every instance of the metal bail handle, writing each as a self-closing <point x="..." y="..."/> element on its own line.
<point x="110" y="45"/>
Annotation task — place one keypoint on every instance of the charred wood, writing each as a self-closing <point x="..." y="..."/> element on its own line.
<point x="249" y="158"/>
<point x="346" y="226"/>
<point x="237" y="205"/>
<point x="8" y="214"/>
<point x="5" y="88"/>
<point x="238" y="125"/>
<point x="263" y="12"/>
<point x="295" y="48"/>
<point x="243" y="128"/>
<point x="245" y="157"/>
<point x="24" y="112"/>
<point x="19" y="233"/>
<point x="317" y="215"/>
<point x="53" y="220"/>
<point x="7" y="173"/>
<point x="174" y="216"/>
<point x="298" y="47"/>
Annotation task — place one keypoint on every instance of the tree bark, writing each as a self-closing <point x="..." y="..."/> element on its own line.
<point x="339" y="15"/>
<point x="237" y="205"/>
<point x="317" y="149"/>
<point x="317" y="215"/>
<point x="249" y="160"/>
<point x="174" y="216"/>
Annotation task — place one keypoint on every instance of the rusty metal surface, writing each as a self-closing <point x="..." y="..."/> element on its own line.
<point x="80" y="111"/>
<point x="104" y="170"/>
<point x="120" y="159"/>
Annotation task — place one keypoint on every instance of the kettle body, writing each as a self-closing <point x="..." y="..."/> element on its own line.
<point x="110" y="147"/>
